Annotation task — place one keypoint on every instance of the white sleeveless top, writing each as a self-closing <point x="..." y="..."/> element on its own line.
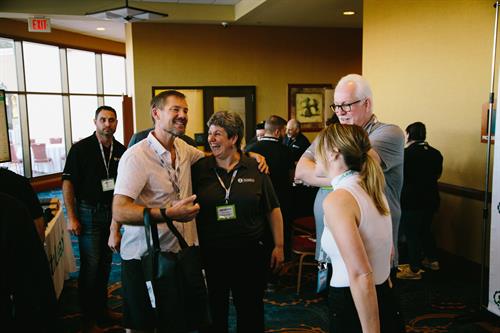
<point x="375" y="230"/>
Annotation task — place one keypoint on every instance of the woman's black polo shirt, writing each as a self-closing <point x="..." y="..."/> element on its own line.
<point x="252" y="193"/>
<point x="85" y="169"/>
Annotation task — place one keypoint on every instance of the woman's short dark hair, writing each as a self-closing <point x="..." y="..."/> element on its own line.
<point x="231" y="122"/>
<point x="416" y="131"/>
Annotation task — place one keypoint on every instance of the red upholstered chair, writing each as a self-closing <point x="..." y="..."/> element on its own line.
<point x="303" y="246"/>
<point x="14" y="159"/>
<point x="40" y="153"/>
<point x="305" y="226"/>
<point x="55" y="140"/>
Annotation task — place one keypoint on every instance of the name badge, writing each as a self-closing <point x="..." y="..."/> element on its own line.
<point x="108" y="184"/>
<point x="226" y="212"/>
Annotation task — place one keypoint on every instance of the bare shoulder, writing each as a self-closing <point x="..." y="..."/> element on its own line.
<point x="342" y="205"/>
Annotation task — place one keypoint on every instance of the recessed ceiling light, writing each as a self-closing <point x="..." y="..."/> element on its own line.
<point x="100" y="28"/>
<point x="349" y="12"/>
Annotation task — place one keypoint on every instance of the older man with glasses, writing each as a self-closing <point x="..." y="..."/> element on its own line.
<point x="353" y="104"/>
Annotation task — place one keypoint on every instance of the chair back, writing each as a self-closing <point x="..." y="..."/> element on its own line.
<point x="13" y="155"/>
<point x="39" y="152"/>
<point x="55" y="140"/>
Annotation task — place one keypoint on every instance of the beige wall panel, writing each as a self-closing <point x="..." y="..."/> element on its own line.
<point x="430" y="61"/>
<point x="268" y="57"/>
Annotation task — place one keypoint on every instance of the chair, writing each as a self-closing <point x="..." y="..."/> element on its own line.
<point x="14" y="159"/>
<point x="55" y="140"/>
<point x="303" y="246"/>
<point x="304" y="226"/>
<point x="40" y="153"/>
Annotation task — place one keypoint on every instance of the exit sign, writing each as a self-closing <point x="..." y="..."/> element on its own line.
<point x="39" y="24"/>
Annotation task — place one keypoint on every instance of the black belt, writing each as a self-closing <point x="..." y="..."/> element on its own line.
<point x="96" y="205"/>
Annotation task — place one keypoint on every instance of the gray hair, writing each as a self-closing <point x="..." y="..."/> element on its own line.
<point x="231" y="122"/>
<point x="363" y="89"/>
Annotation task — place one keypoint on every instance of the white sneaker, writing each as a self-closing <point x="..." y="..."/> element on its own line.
<point x="432" y="265"/>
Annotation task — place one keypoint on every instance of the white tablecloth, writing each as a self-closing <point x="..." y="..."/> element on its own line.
<point x="59" y="251"/>
<point x="57" y="152"/>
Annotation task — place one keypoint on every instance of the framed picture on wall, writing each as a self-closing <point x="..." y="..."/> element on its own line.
<point x="306" y="103"/>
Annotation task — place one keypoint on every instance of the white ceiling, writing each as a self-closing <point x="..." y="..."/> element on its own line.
<point x="70" y="15"/>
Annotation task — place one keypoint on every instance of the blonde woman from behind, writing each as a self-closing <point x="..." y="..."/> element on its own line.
<point x="358" y="234"/>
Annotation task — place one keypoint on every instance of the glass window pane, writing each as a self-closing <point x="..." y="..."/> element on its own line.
<point x="81" y="72"/>
<point x="8" y="78"/>
<point x="41" y="67"/>
<point x="14" y="124"/>
<point x="46" y="132"/>
<point x="82" y="116"/>
<point x="116" y="103"/>
<point x="113" y="68"/>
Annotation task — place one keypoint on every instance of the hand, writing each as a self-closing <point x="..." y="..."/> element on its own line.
<point x="74" y="227"/>
<point x="277" y="258"/>
<point x="261" y="160"/>
<point x="114" y="240"/>
<point x="184" y="210"/>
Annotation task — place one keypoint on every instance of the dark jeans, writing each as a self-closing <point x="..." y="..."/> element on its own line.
<point x="95" y="259"/>
<point x="241" y="271"/>
<point x="416" y="226"/>
<point x="344" y="316"/>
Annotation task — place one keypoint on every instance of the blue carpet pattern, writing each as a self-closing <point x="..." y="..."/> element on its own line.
<point x="443" y="301"/>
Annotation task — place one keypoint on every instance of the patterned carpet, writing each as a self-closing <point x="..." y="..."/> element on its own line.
<point x="443" y="301"/>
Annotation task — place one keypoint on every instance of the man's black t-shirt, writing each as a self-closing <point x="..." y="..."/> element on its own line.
<point x="85" y="169"/>
<point x="20" y="188"/>
<point x="280" y="161"/>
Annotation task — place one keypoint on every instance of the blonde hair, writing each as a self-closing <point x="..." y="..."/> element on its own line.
<point x="352" y="142"/>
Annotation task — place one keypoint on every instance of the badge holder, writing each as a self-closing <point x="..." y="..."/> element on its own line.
<point x="322" y="283"/>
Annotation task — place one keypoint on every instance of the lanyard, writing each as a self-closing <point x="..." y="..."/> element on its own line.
<point x="341" y="177"/>
<point x="369" y="127"/>
<point x="267" y="138"/>
<point x="172" y="173"/>
<point x="228" y="190"/>
<point x="106" y="165"/>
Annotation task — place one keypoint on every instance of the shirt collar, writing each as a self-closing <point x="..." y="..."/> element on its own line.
<point x="369" y="125"/>
<point x="243" y="163"/>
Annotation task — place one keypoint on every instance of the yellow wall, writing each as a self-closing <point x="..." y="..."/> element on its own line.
<point x="430" y="61"/>
<point x="269" y="58"/>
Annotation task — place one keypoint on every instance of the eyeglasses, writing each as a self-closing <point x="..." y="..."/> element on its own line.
<point x="344" y="107"/>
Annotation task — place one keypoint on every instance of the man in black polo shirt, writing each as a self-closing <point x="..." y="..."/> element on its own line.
<point x="88" y="183"/>
<point x="280" y="162"/>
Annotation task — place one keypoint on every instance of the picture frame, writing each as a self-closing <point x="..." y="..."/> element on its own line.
<point x="307" y="104"/>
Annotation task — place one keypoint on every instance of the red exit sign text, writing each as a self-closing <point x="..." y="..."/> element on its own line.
<point x="39" y="24"/>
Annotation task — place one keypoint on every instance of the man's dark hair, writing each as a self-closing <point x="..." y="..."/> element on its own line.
<point x="274" y="123"/>
<point x="416" y="131"/>
<point x="105" y="108"/>
<point x="158" y="101"/>
<point x="260" y="126"/>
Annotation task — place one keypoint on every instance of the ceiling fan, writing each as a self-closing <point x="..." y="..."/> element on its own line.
<point x="127" y="14"/>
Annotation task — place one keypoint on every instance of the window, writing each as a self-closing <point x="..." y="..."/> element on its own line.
<point x="81" y="72"/>
<point x="54" y="104"/>
<point x="42" y="67"/>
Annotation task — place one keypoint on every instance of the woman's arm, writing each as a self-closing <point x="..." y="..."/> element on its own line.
<point x="341" y="218"/>
<point x="276" y="223"/>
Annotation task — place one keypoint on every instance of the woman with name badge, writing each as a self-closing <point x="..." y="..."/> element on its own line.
<point x="236" y="201"/>
<point x="357" y="235"/>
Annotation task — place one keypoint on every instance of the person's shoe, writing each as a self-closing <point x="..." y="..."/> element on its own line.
<point x="432" y="265"/>
<point x="407" y="274"/>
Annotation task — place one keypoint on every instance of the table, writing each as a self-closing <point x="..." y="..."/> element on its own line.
<point x="57" y="152"/>
<point x="59" y="250"/>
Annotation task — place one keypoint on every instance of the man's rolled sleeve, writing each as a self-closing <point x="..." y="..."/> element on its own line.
<point x="388" y="142"/>
<point x="131" y="177"/>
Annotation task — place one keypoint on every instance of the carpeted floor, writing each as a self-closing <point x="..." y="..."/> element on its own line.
<point x="443" y="301"/>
